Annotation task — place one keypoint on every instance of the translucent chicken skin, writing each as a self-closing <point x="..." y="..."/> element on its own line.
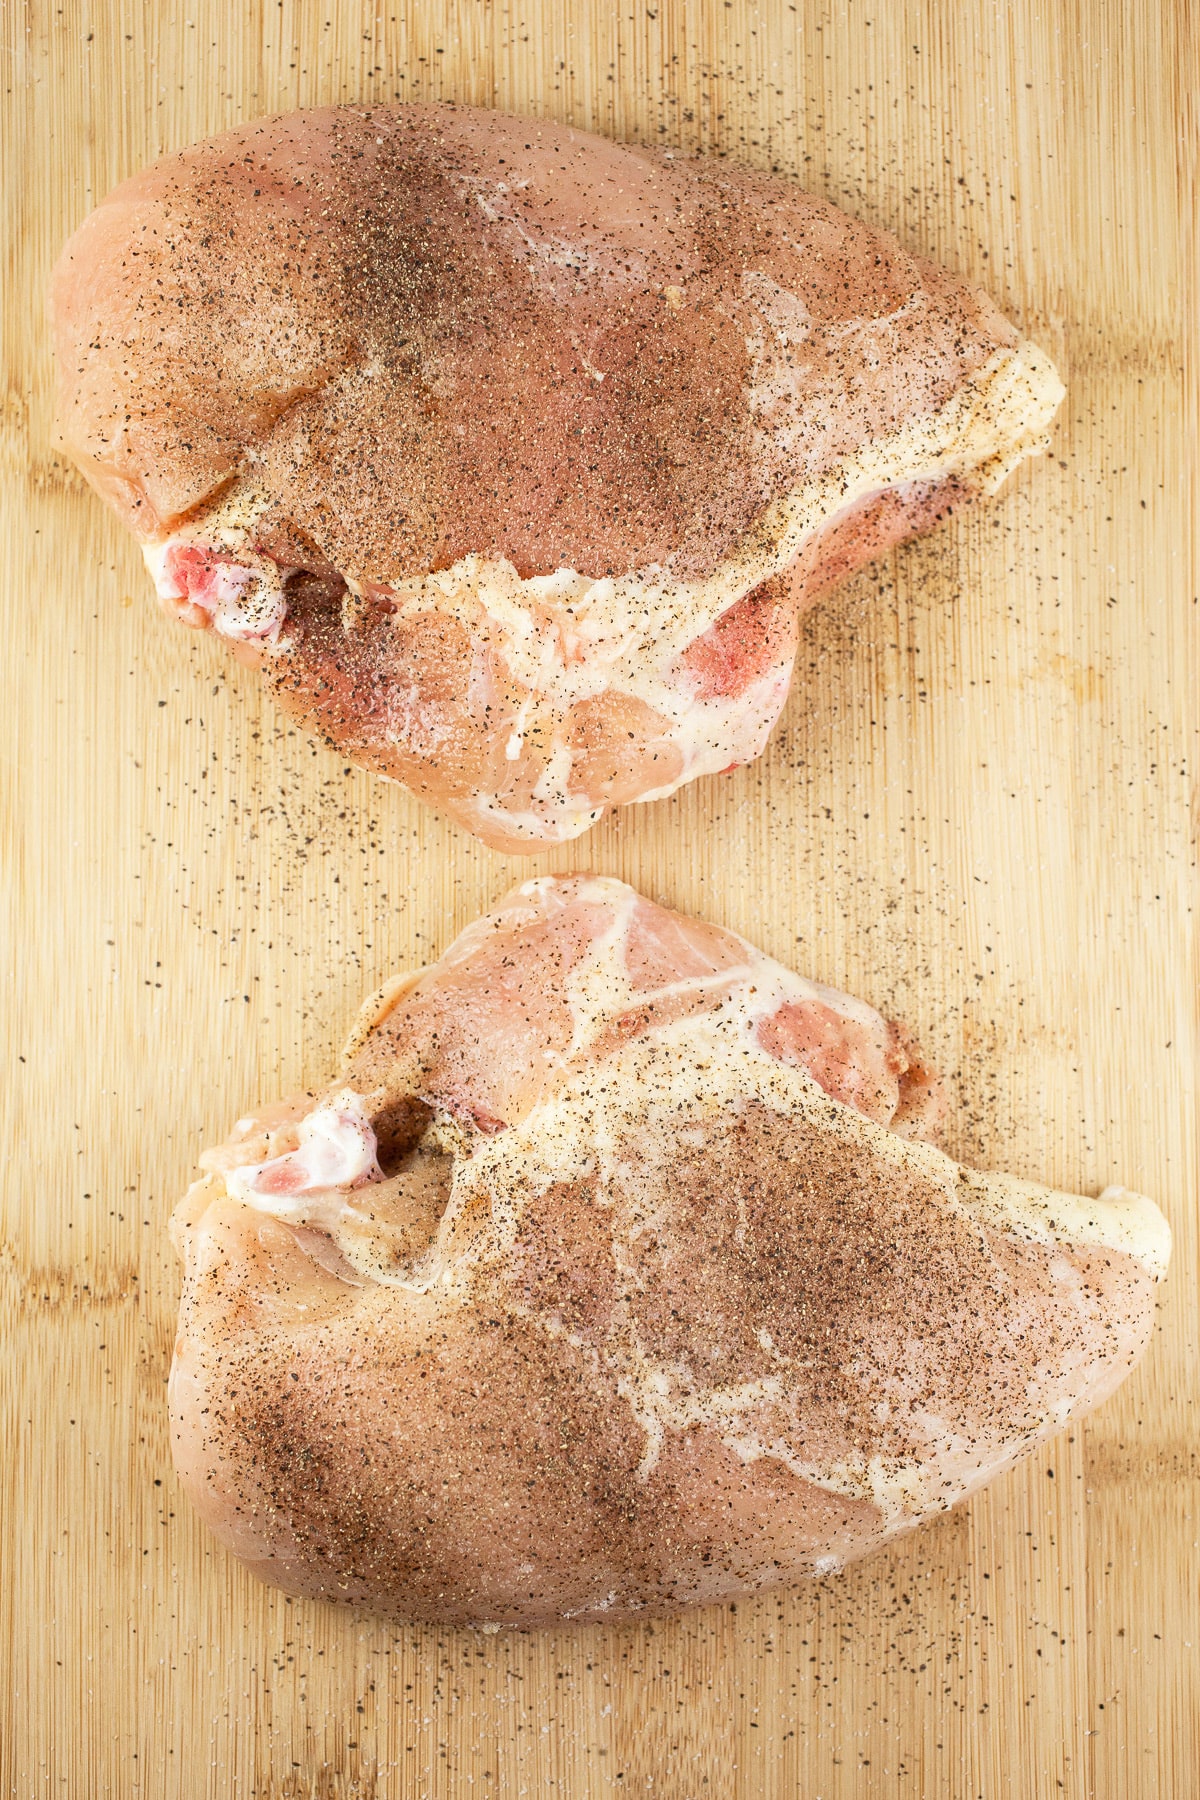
<point x="618" y="1273"/>
<point x="511" y="455"/>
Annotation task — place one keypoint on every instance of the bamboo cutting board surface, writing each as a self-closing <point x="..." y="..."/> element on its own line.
<point x="975" y="814"/>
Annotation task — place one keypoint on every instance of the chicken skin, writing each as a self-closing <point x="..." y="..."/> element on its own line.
<point x="618" y="1272"/>
<point x="511" y="455"/>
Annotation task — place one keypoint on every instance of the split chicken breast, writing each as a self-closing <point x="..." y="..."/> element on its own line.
<point x="511" y="455"/>
<point x="618" y="1272"/>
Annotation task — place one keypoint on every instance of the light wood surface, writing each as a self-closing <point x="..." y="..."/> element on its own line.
<point x="975" y="814"/>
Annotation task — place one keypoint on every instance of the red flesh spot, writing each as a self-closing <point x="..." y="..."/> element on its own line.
<point x="751" y="637"/>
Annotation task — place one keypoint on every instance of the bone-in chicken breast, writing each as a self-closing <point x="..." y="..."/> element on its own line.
<point x="618" y="1272"/>
<point x="511" y="455"/>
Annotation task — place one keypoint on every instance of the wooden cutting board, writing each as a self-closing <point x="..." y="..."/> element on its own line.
<point x="975" y="813"/>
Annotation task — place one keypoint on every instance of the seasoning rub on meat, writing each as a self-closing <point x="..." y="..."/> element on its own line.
<point x="511" y="455"/>
<point x="618" y="1271"/>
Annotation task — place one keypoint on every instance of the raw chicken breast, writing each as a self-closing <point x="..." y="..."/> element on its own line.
<point x="512" y="455"/>
<point x="618" y="1273"/>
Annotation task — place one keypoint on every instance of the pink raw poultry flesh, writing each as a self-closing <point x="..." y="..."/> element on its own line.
<point x="512" y="455"/>
<point x="618" y="1273"/>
